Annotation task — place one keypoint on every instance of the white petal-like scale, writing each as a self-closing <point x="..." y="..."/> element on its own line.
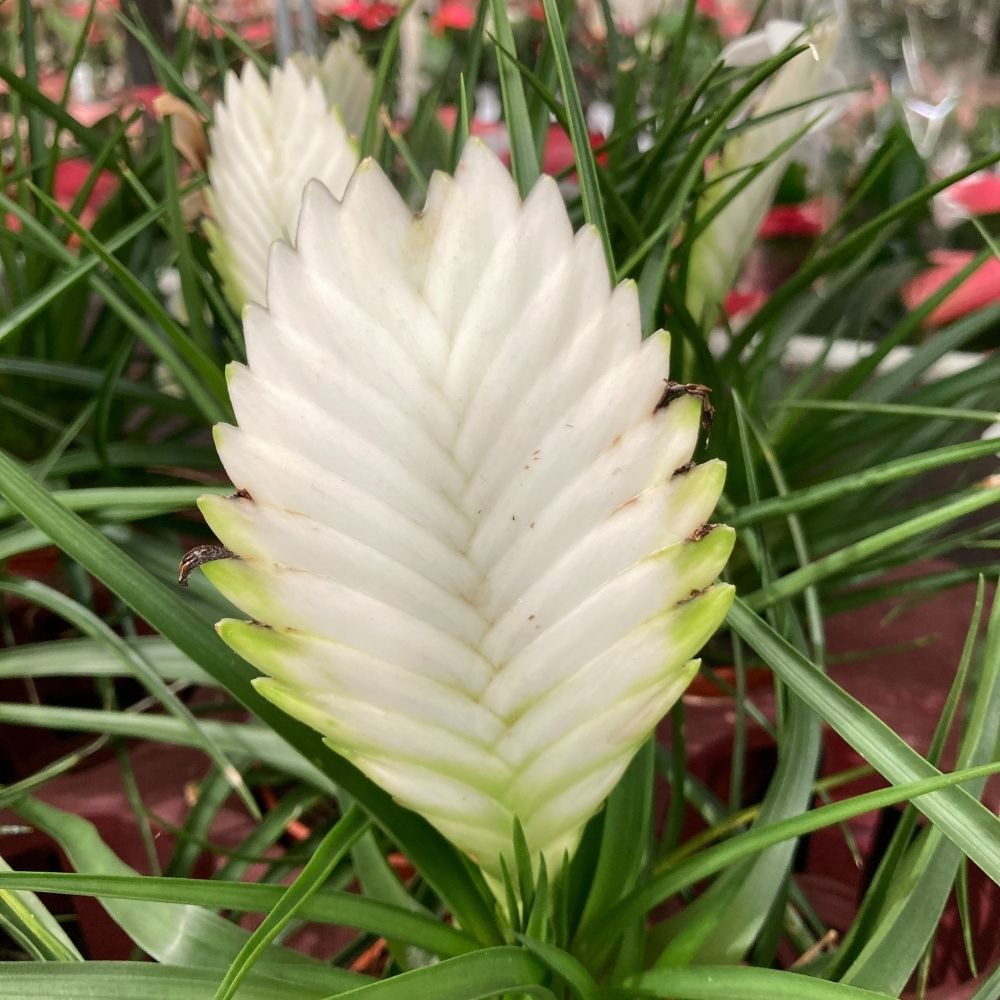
<point x="347" y="81"/>
<point x="268" y="140"/>
<point x="679" y="506"/>
<point x="330" y="670"/>
<point x="290" y="539"/>
<point x="468" y="528"/>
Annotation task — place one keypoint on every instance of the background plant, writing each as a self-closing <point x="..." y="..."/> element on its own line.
<point x="835" y="480"/>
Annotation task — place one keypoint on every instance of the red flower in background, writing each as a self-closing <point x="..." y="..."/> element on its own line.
<point x="729" y="15"/>
<point x="558" y="153"/>
<point x="453" y="14"/>
<point x="70" y="177"/>
<point x="79" y="9"/>
<point x="257" y="32"/>
<point x="976" y="195"/>
<point x="143" y="95"/>
<point x="980" y="289"/>
<point x="50" y="84"/>
<point x="494" y="134"/>
<point x="369" y="14"/>
<point x="805" y="219"/>
<point x="201" y="24"/>
<point x="557" y="156"/>
<point x="739" y="302"/>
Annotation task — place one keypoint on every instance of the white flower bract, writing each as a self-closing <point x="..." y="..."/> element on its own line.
<point x="269" y="138"/>
<point x="346" y="78"/>
<point x="469" y="534"/>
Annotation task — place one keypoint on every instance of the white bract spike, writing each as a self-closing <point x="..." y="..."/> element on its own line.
<point x="468" y="529"/>
<point x="794" y="97"/>
<point x="268" y="140"/>
<point x="347" y="80"/>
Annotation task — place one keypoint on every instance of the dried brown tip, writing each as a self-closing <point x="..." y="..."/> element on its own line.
<point x="675" y="390"/>
<point x="188" y="129"/>
<point x="692" y="596"/>
<point x="699" y="533"/>
<point x="198" y="556"/>
<point x="242" y="494"/>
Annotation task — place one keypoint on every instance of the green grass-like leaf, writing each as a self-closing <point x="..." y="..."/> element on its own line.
<point x="964" y="820"/>
<point x="326" y="906"/>
<point x="173" y="933"/>
<point x="122" y="981"/>
<point x="90" y="624"/>
<point x="586" y="164"/>
<point x="724" y="983"/>
<point x="942" y="514"/>
<point x="666" y="882"/>
<point x="317" y="870"/>
<point x="523" y="154"/>
<point x="491" y="972"/>
<point x="918" y="894"/>
<point x="26" y="920"/>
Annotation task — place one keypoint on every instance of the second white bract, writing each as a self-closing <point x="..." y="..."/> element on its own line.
<point x="268" y="140"/>
<point x="788" y="104"/>
<point x="468" y="530"/>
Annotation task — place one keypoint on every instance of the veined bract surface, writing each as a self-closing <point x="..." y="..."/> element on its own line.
<point x="469" y="533"/>
<point x="268" y="140"/>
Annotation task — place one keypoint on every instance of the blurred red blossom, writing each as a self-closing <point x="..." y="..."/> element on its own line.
<point x="454" y="14"/>
<point x="804" y="219"/>
<point x="742" y="301"/>
<point x="79" y="8"/>
<point x="103" y="9"/>
<point x="731" y="18"/>
<point x="980" y="289"/>
<point x="142" y="95"/>
<point x="369" y="14"/>
<point x="201" y="24"/>
<point x="558" y="153"/>
<point x="976" y="195"/>
<point x="257" y="32"/>
<point x="69" y="179"/>
<point x="557" y="156"/>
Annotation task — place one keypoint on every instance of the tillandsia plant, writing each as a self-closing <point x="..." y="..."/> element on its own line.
<point x="510" y="717"/>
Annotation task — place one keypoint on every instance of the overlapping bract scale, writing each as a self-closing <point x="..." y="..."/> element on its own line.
<point x="268" y="140"/>
<point x="468" y="532"/>
<point x="347" y="80"/>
